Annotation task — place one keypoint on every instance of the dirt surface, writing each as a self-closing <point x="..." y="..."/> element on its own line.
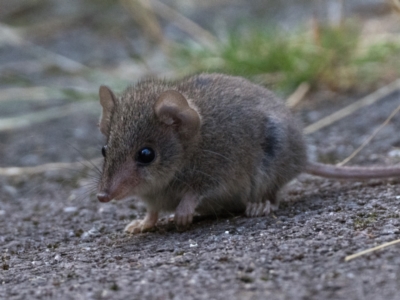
<point x="58" y="242"/>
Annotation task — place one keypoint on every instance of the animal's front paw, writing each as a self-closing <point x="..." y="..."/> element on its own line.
<point x="258" y="209"/>
<point x="139" y="226"/>
<point x="183" y="220"/>
<point x="185" y="210"/>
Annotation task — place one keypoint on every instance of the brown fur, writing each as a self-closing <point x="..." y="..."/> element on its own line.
<point x="247" y="146"/>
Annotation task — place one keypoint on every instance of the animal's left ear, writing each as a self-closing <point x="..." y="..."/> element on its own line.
<point x="107" y="101"/>
<point x="173" y="109"/>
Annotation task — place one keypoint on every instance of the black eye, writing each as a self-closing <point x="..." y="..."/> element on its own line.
<point x="104" y="150"/>
<point x="145" y="156"/>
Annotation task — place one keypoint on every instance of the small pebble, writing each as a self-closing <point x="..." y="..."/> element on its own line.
<point x="192" y="244"/>
<point x="70" y="209"/>
<point x="394" y="153"/>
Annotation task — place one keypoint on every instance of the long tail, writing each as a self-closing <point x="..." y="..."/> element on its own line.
<point x="352" y="173"/>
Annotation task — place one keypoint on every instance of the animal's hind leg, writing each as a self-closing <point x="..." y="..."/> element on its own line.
<point x="262" y="208"/>
<point x="258" y="209"/>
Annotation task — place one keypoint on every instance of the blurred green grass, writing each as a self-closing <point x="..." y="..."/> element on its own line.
<point x="326" y="57"/>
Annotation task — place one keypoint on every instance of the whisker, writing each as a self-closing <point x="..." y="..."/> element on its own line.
<point x="218" y="154"/>
<point x="249" y="173"/>
<point x="88" y="160"/>
<point x="207" y="175"/>
<point x="184" y="182"/>
<point x="92" y="185"/>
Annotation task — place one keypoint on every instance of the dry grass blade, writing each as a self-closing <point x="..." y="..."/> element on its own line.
<point x="18" y="171"/>
<point x="45" y="115"/>
<point x="366" y="142"/>
<point x="348" y="110"/>
<point x="198" y="33"/>
<point x="12" y="36"/>
<point x="396" y="5"/>
<point x="295" y="98"/>
<point x="144" y="15"/>
<point x="36" y="93"/>
<point x="350" y="257"/>
<point x="16" y="37"/>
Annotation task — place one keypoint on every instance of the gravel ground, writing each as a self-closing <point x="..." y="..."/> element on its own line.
<point x="58" y="241"/>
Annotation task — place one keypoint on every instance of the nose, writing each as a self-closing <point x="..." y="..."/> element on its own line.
<point x="103" y="197"/>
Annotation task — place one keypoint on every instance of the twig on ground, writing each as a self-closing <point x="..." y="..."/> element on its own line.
<point x="45" y="115"/>
<point x="366" y="142"/>
<point x="348" y="110"/>
<point x="37" y="93"/>
<point x="18" y="171"/>
<point x="43" y="93"/>
<point x="298" y="95"/>
<point x="350" y="257"/>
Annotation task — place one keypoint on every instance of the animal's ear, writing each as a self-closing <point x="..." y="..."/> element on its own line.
<point x="107" y="101"/>
<point x="173" y="109"/>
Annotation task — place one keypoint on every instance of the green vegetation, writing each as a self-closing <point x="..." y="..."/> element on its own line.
<point x="326" y="56"/>
<point x="363" y="221"/>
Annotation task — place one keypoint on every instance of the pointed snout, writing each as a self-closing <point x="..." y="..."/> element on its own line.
<point x="103" y="197"/>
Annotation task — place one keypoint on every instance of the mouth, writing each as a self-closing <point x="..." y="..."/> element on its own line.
<point x="107" y="197"/>
<point x="103" y="197"/>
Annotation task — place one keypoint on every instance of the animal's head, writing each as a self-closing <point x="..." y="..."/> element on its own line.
<point x="147" y="131"/>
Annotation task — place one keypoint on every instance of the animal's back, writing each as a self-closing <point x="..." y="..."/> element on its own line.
<point x="250" y="147"/>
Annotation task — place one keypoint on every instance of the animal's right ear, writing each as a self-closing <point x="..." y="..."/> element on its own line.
<point x="107" y="101"/>
<point x="173" y="109"/>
